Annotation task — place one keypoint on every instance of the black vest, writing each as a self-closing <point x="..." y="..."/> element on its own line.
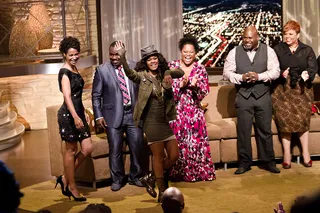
<point x="259" y="65"/>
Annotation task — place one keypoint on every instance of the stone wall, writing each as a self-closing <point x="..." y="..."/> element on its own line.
<point x="30" y="95"/>
<point x="75" y="21"/>
<point x="93" y="27"/>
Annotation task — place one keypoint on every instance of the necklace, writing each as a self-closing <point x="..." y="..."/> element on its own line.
<point x="156" y="85"/>
<point x="159" y="92"/>
<point x="293" y="49"/>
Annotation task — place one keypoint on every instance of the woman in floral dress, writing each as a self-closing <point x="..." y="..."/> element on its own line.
<point x="194" y="163"/>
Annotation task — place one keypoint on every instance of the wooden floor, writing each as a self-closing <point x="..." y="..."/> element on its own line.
<point x="29" y="160"/>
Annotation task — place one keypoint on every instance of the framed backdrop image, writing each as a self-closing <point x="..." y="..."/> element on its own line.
<point x="218" y="25"/>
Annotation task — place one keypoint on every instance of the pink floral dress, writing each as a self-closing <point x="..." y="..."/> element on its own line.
<point x="194" y="163"/>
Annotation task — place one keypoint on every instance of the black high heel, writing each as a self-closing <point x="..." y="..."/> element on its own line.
<point x="149" y="182"/>
<point x="79" y="199"/>
<point x="59" y="180"/>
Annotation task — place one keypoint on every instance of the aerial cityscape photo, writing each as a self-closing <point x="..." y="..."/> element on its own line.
<point x="218" y="25"/>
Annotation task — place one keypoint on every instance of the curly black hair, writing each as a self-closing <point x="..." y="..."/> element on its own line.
<point x="189" y="39"/>
<point x="67" y="43"/>
<point x="163" y="64"/>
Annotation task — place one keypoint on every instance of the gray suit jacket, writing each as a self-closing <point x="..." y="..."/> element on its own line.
<point x="107" y="97"/>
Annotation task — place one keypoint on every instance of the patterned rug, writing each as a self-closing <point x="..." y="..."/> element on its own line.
<point x="254" y="191"/>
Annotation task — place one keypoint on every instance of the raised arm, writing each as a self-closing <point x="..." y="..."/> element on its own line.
<point x="200" y="83"/>
<point x="131" y="74"/>
<point x="169" y="75"/>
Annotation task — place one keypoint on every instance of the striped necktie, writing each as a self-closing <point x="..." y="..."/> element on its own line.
<point x="123" y="86"/>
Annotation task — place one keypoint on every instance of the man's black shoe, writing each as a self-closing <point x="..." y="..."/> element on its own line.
<point x="242" y="170"/>
<point x="272" y="168"/>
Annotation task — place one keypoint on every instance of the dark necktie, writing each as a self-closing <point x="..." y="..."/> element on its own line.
<point x="123" y="86"/>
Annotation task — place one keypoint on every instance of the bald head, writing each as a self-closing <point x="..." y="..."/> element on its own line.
<point x="250" y="29"/>
<point x="250" y="38"/>
<point x="172" y="200"/>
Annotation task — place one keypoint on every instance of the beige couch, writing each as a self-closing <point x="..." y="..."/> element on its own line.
<point x="96" y="168"/>
<point x="222" y="113"/>
<point x="93" y="169"/>
<point x="221" y="125"/>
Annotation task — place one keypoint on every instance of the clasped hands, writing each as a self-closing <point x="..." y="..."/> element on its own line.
<point x="184" y="81"/>
<point x="250" y="77"/>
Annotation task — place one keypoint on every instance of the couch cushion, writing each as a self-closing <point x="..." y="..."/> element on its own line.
<point x="215" y="150"/>
<point x="274" y="129"/>
<point x="229" y="153"/>
<point x="101" y="146"/>
<point x="221" y="102"/>
<point x="229" y="127"/>
<point x="214" y="131"/>
<point x="315" y="123"/>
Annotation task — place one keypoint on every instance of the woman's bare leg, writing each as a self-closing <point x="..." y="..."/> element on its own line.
<point x="304" y="140"/>
<point x="172" y="153"/>
<point x="286" y="141"/>
<point x="72" y="162"/>
<point x="157" y="150"/>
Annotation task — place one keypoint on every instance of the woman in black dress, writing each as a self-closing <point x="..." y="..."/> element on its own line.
<point x="72" y="119"/>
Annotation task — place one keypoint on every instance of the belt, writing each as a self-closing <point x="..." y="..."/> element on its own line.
<point x="127" y="107"/>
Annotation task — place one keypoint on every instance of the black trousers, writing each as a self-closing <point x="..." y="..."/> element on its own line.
<point x="134" y="136"/>
<point x="259" y="109"/>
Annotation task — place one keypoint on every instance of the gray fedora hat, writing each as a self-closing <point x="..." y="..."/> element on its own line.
<point x="148" y="51"/>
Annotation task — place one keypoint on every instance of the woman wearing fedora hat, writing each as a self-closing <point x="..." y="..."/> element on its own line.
<point x="153" y="111"/>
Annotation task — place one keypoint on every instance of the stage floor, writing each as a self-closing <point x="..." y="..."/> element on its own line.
<point x="256" y="191"/>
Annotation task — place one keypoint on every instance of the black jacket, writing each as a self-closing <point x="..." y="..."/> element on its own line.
<point x="303" y="59"/>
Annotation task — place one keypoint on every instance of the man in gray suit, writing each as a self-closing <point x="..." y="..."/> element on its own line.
<point x="113" y="99"/>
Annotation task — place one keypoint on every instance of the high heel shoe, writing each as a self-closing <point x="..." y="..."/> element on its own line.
<point x="80" y="199"/>
<point x="59" y="181"/>
<point x="149" y="182"/>
<point x="286" y="165"/>
<point x="309" y="164"/>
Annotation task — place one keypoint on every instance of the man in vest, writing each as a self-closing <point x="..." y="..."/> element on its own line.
<point x="251" y="66"/>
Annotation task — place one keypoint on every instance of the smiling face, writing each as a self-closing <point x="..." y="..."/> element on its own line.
<point x="291" y="37"/>
<point x="114" y="57"/>
<point x="250" y="38"/>
<point x="72" y="56"/>
<point x="152" y="63"/>
<point x="188" y="54"/>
